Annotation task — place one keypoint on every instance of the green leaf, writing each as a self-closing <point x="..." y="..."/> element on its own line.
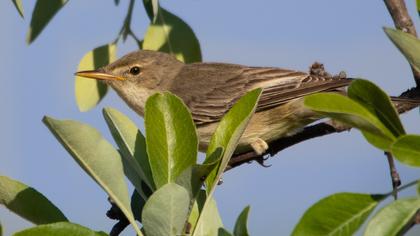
<point x="228" y="133"/>
<point x="408" y="44"/>
<point x="391" y="219"/>
<point x="338" y="214"/>
<point x="209" y="221"/>
<point x="28" y="202"/>
<point x="378" y="102"/>
<point x="378" y="141"/>
<point x="43" y="12"/>
<point x="168" y="33"/>
<point x="166" y="211"/>
<point x="241" y="228"/>
<point x="97" y="157"/>
<point x="137" y="205"/>
<point x="193" y="177"/>
<point x="418" y="6"/>
<point x="407" y="150"/>
<point x="89" y="92"/>
<point x="19" y="6"/>
<point x="132" y="145"/>
<point x="171" y="138"/>
<point x="61" y="228"/>
<point x="350" y="112"/>
<point x="223" y="232"/>
<point x="152" y="7"/>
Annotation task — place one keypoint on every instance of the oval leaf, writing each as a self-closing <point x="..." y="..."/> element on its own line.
<point x="89" y="92"/>
<point x="407" y="150"/>
<point x="171" y="138"/>
<point x="61" y="228"/>
<point x="132" y="145"/>
<point x="241" y="228"/>
<point x="408" y="44"/>
<point x="43" y="12"/>
<point x="209" y="221"/>
<point x="28" y="203"/>
<point x="168" y="33"/>
<point x="391" y="219"/>
<point x="152" y="7"/>
<point x="339" y="214"/>
<point x="166" y="211"/>
<point x="19" y="6"/>
<point x="228" y="133"/>
<point x="97" y="157"/>
<point x="378" y="102"/>
<point x="346" y="110"/>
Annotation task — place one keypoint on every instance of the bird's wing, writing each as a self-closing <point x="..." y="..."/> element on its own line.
<point x="213" y="88"/>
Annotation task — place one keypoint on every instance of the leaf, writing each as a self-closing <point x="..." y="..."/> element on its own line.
<point x="223" y="232"/>
<point x="209" y="221"/>
<point x="166" y="211"/>
<point x="391" y="219"/>
<point x="116" y="2"/>
<point x="132" y="145"/>
<point x="28" y="202"/>
<point x="408" y="44"/>
<point x="168" y="33"/>
<point x="61" y="228"/>
<point x="350" y="112"/>
<point x="378" y="102"/>
<point x="241" y="228"/>
<point x="338" y="214"/>
<point x="193" y="177"/>
<point x="152" y="7"/>
<point x="228" y="133"/>
<point x="137" y="204"/>
<point x="418" y="6"/>
<point x="19" y="6"/>
<point x="378" y="141"/>
<point x="407" y="150"/>
<point x="43" y="12"/>
<point x="171" y="138"/>
<point x="89" y="92"/>
<point x="97" y="157"/>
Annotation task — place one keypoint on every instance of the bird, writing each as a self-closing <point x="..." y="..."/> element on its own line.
<point x="209" y="90"/>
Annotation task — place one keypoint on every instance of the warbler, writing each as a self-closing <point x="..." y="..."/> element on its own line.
<point x="211" y="89"/>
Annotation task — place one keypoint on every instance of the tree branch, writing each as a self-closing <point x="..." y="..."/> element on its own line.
<point x="402" y="21"/>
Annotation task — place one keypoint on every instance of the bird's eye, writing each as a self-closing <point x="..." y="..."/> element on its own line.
<point x="135" y="70"/>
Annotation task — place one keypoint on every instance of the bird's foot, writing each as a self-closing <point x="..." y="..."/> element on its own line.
<point x="259" y="146"/>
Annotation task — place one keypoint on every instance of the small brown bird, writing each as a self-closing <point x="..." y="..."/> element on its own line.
<point x="210" y="89"/>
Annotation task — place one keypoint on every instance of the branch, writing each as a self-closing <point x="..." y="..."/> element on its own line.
<point x="402" y="21"/>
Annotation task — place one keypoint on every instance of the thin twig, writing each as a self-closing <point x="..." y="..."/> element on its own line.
<point x="395" y="177"/>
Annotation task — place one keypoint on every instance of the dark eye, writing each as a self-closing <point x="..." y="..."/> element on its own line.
<point x="135" y="70"/>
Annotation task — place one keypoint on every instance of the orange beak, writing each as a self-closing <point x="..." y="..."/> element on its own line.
<point x="97" y="74"/>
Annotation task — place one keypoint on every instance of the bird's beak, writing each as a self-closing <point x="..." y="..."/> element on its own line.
<point x="98" y="74"/>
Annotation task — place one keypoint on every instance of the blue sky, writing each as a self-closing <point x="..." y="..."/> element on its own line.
<point x="37" y="80"/>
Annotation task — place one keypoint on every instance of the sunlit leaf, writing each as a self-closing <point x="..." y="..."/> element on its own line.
<point x="19" y="6"/>
<point x="391" y="219"/>
<point x="241" y="228"/>
<point x="152" y="7"/>
<point x="28" y="202"/>
<point x="228" y="133"/>
<point x="132" y="145"/>
<point x="378" y="102"/>
<point x="171" y="138"/>
<point x="407" y="150"/>
<point x="43" y="12"/>
<point x="209" y="221"/>
<point x="89" y="92"/>
<point x="350" y="112"/>
<point x="168" y="33"/>
<point x="166" y="211"/>
<point x="97" y="157"/>
<point x="408" y="44"/>
<point x="339" y="214"/>
<point x="61" y="228"/>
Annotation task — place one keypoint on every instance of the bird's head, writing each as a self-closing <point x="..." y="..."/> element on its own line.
<point x="138" y="75"/>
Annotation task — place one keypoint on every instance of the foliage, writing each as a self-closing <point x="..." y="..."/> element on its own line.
<point x="173" y="194"/>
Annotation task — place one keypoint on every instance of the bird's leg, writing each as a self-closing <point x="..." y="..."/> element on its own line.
<point x="259" y="146"/>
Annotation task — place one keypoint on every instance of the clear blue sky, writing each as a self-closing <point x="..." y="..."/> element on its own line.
<point x="344" y="35"/>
